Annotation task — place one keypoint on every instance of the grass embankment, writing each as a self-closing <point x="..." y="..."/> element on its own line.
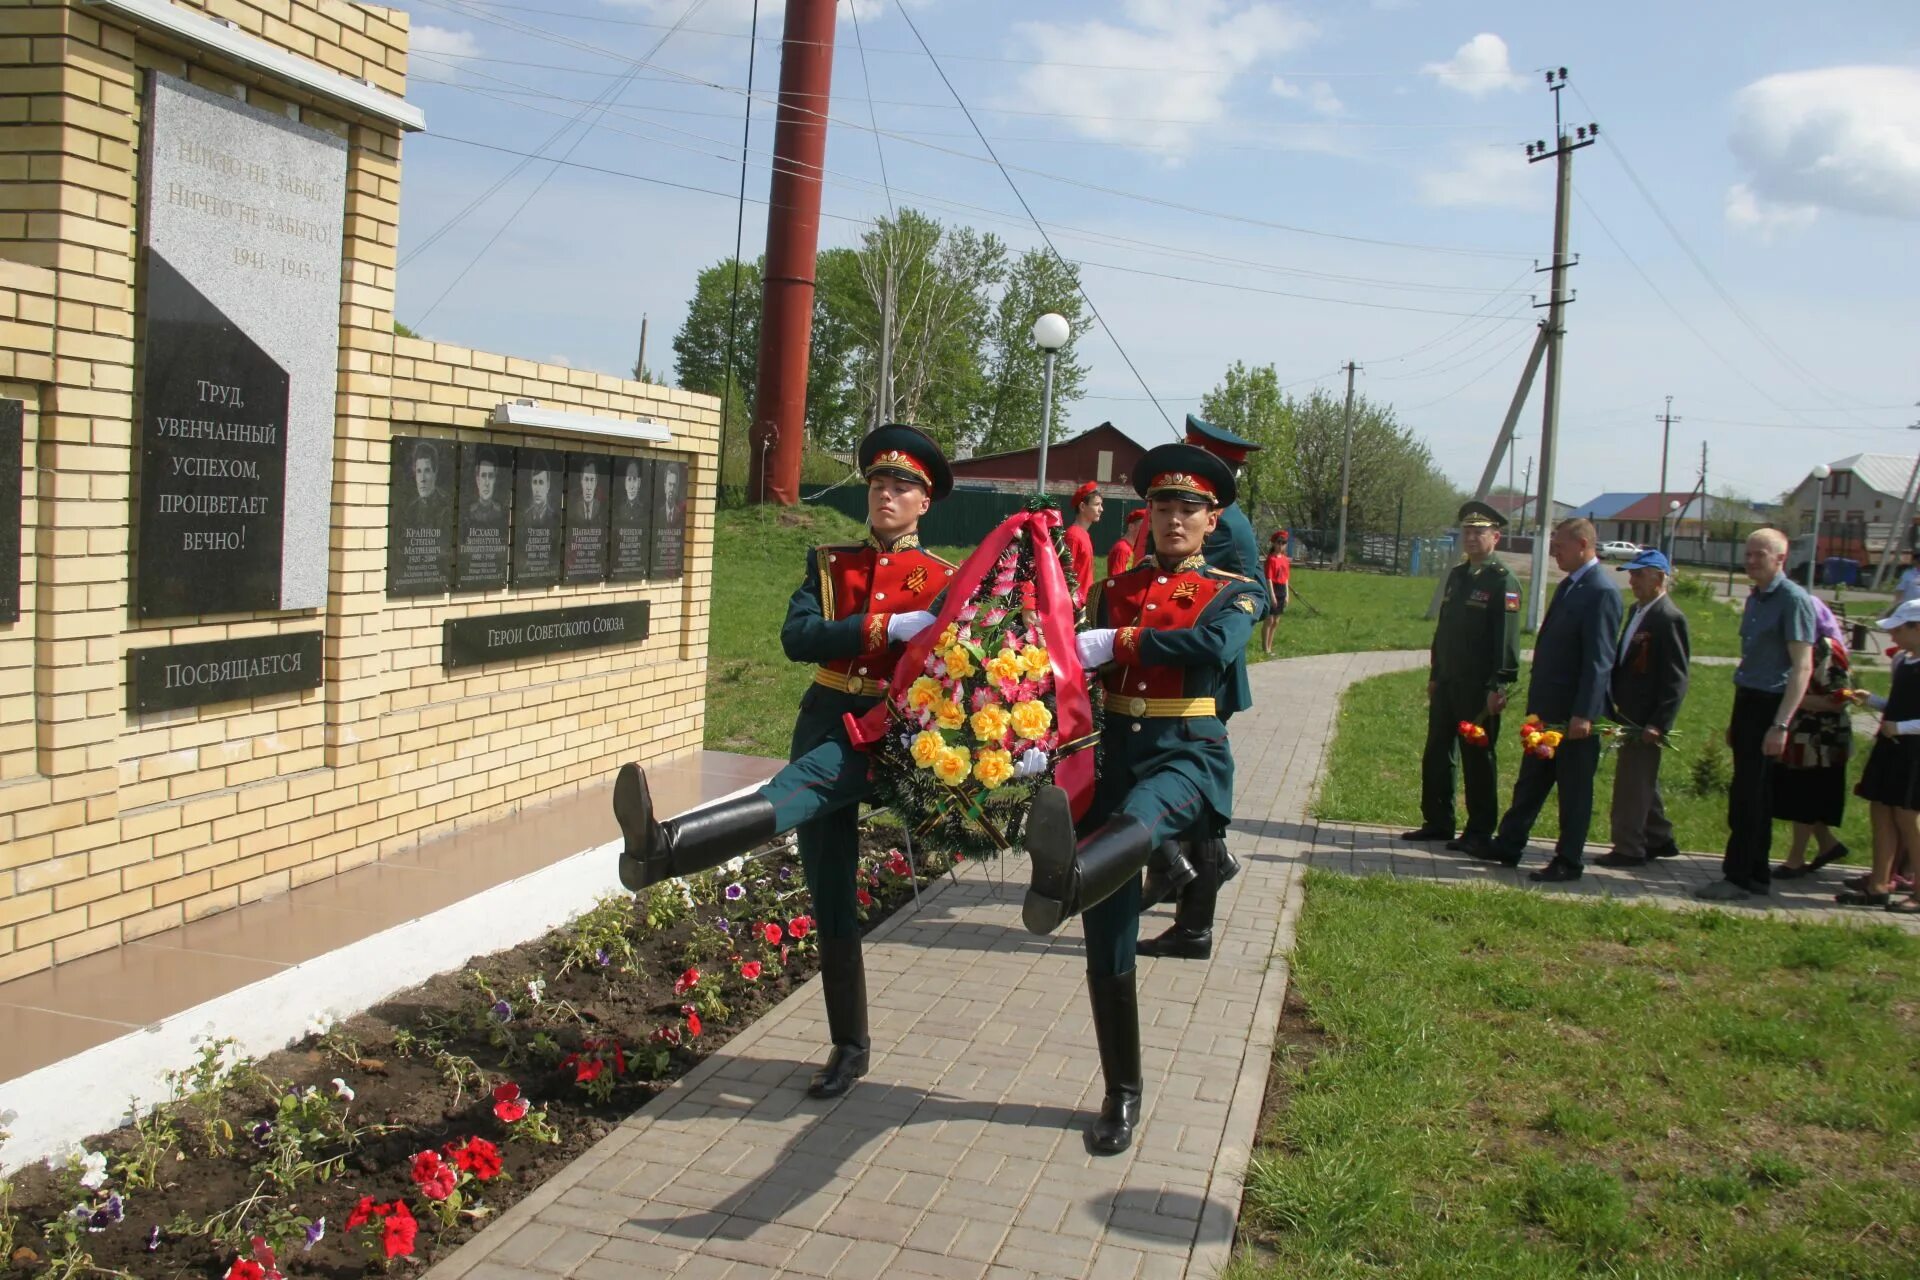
<point x="1483" y="1083"/>
<point x="1373" y="771"/>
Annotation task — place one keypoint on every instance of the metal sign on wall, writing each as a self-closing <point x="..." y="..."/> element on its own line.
<point x="12" y="419"/>
<point x="242" y="229"/>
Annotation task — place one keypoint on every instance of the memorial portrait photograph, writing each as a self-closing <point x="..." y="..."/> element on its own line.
<point x="587" y="518"/>
<point x="486" y="505"/>
<point x="632" y="519"/>
<point x="668" y="553"/>
<point x="539" y="480"/>
<point x="420" y="525"/>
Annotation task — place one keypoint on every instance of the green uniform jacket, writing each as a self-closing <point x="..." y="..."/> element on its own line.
<point x="1477" y="641"/>
<point x="1231" y="546"/>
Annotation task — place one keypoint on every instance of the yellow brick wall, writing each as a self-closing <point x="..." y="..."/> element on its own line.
<point x="114" y="826"/>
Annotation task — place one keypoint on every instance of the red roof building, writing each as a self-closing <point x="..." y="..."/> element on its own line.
<point x="1105" y="454"/>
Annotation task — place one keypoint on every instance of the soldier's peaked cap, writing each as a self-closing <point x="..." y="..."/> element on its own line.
<point x="1478" y="515"/>
<point x="1184" y="471"/>
<point x="1219" y="441"/>
<point x="908" y="452"/>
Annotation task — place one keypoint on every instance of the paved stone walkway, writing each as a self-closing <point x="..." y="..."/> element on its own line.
<point x="961" y="1155"/>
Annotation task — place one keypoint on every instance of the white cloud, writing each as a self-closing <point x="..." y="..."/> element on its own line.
<point x="1223" y="36"/>
<point x="1485" y="177"/>
<point x="1318" y="96"/>
<point x="439" y="42"/>
<point x="1478" y="67"/>
<point x="1840" y="138"/>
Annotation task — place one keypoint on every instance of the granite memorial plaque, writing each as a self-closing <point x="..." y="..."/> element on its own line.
<point x="588" y="503"/>
<point x="539" y="477"/>
<point x="669" y="551"/>
<point x="191" y="675"/>
<point x="486" y="507"/>
<point x="465" y="642"/>
<point x="242" y="229"/>
<point x="632" y="519"/>
<point x="420" y="524"/>
<point x="12" y="425"/>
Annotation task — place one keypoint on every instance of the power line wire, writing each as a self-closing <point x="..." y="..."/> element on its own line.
<point x="853" y="7"/>
<point x="739" y="233"/>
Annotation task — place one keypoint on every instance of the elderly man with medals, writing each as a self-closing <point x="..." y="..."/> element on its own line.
<point x="1166" y="636"/>
<point x="852" y="615"/>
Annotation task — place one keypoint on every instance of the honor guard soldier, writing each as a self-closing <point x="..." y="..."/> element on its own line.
<point x="851" y="617"/>
<point x="1475" y="656"/>
<point x="1166" y="635"/>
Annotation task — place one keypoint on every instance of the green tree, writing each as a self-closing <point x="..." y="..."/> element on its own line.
<point x="1015" y="369"/>
<point x="1248" y="403"/>
<point x="700" y="347"/>
<point x="1390" y="467"/>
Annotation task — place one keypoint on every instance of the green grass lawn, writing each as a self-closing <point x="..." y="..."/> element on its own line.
<point x="1373" y="773"/>
<point x="1350" y="613"/>
<point x="1474" y="1082"/>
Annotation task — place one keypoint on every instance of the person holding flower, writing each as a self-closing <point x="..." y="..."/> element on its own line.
<point x="1890" y="784"/>
<point x="1166" y="636"/>
<point x="852" y="615"/>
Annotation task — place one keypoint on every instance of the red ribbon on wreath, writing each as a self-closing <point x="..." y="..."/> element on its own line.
<point x="1073" y="770"/>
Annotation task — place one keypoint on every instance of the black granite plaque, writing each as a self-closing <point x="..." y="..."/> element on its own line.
<point x="213" y="458"/>
<point x="486" y="507"/>
<point x="539" y="477"/>
<point x="192" y="675"/>
<point x="420" y="524"/>
<point x="669" y="550"/>
<point x="588" y="508"/>
<point x="465" y="642"/>
<point x="12" y="421"/>
<point x="632" y="519"/>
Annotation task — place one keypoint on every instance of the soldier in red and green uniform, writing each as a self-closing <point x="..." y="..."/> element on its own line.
<point x="1166" y="637"/>
<point x="851" y="616"/>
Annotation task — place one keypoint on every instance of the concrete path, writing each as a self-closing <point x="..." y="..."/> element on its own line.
<point x="961" y="1155"/>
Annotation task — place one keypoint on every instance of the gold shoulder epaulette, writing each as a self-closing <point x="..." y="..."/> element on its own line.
<point x="1218" y="572"/>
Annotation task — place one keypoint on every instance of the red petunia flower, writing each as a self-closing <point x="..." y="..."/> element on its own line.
<point x="686" y="981"/>
<point x="693" y="1024"/>
<point x="400" y="1231"/>
<point x="800" y="926"/>
<point x="434" y="1176"/>
<point x="773" y="933"/>
<point x="362" y="1212"/>
<point x="508" y="1105"/>
<point x="478" y="1157"/>
<point x="750" y="971"/>
<point x="242" y="1269"/>
<point x="864" y="898"/>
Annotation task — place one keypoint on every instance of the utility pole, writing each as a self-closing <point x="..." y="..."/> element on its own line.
<point x="1666" y="433"/>
<point x="1346" y="472"/>
<point x="1706" y="502"/>
<point x="1900" y="522"/>
<point x="1526" y="487"/>
<point x="883" y="392"/>
<point x="640" y="361"/>
<point x="1565" y="144"/>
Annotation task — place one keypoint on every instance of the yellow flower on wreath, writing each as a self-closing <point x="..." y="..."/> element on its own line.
<point x="949" y="715"/>
<point x="927" y="746"/>
<point x="951" y="767"/>
<point x="1551" y="737"/>
<point x="1031" y="720"/>
<point x="990" y="722"/>
<point x="1004" y="666"/>
<point x="923" y="694"/>
<point x="1034" y="658"/>
<point x="959" y="662"/>
<point x="992" y="767"/>
<point x="947" y="638"/>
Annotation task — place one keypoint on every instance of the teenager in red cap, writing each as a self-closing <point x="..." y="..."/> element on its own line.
<point x="1121" y="556"/>
<point x="1087" y="506"/>
<point x="1279" y="568"/>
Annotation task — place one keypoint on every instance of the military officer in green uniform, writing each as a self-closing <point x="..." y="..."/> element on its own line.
<point x="852" y="616"/>
<point x="1475" y="657"/>
<point x="1165" y="637"/>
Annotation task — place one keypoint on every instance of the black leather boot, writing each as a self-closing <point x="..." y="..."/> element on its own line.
<point x="1068" y="875"/>
<point x="695" y="841"/>
<point x="1116" y="1026"/>
<point x="1191" y="937"/>
<point x="843" y="980"/>
<point x="1169" y="871"/>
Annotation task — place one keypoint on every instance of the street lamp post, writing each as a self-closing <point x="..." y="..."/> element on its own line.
<point x="1820" y="473"/>
<point x="1672" y="530"/>
<point x="1050" y="333"/>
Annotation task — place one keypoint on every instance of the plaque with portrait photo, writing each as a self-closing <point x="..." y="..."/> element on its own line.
<point x="12" y="420"/>
<point x="539" y="480"/>
<point x="588" y="508"/>
<point x="420" y="516"/>
<point x="486" y="512"/>
<point x="632" y="519"/>
<point x="669" y="551"/>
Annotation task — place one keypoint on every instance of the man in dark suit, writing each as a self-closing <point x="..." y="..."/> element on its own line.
<point x="1572" y="664"/>
<point x="1649" y="683"/>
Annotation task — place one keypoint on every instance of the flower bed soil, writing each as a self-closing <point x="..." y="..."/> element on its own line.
<point x="590" y="1022"/>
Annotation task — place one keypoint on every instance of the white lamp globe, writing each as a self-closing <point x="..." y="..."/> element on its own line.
<point x="1821" y="471"/>
<point x="1050" y="331"/>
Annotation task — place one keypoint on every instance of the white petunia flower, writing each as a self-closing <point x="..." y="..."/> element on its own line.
<point x="537" y="990"/>
<point x="342" y="1089"/>
<point x="93" y="1168"/>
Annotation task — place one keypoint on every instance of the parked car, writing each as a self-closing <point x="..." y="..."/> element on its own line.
<point x="1618" y="550"/>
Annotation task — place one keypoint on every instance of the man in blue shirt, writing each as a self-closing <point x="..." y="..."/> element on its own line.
<point x="1572" y="664"/>
<point x="1776" y="661"/>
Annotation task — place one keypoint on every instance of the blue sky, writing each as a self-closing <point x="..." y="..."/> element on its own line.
<point x="1300" y="184"/>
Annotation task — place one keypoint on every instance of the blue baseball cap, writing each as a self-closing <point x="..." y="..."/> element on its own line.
<point x="1648" y="559"/>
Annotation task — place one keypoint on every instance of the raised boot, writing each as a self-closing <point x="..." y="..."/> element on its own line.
<point x="843" y="980"/>
<point x="1169" y="871"/>
<point x="1068" y="875"/>
<point x="694" y="841"/>
<point x="1116" y="1027"/>
<point x="1191" y="936"/>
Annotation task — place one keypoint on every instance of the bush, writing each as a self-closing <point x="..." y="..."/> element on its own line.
<point x="1711" y="772"/>
<point x="1690" y="587"/>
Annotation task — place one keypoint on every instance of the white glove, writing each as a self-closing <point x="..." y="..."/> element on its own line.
<point x="1095" y="647"/>
<point x="1032" y="761"/>
<point x="905" y="626"/>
